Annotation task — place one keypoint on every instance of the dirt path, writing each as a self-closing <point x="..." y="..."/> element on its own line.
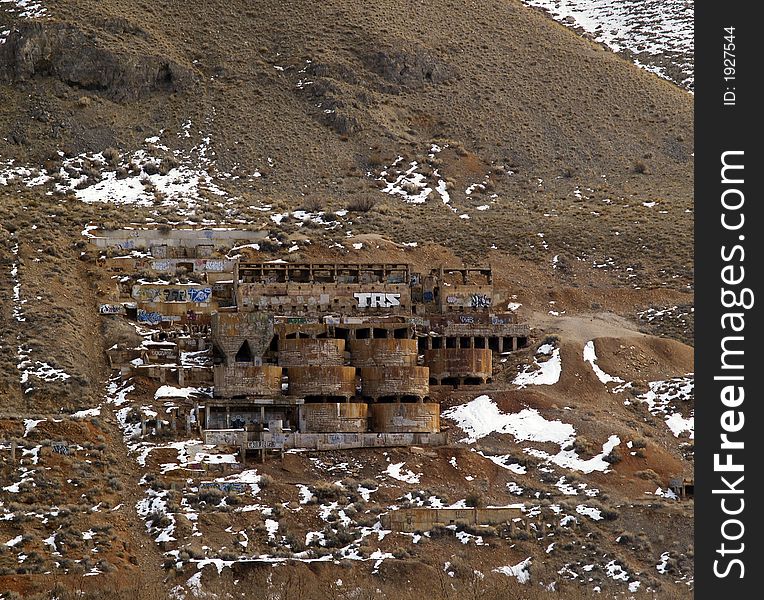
<point x="149" y="578"/>
<point x="584" y="327"/>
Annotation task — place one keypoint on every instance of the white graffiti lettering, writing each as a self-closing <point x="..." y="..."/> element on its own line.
<point x="480" y="301"/>
<point x="377" y="299"/>
<point x="111" y="309"/>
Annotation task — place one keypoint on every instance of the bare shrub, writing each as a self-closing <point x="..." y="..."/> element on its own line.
<point x="362" y="204"/>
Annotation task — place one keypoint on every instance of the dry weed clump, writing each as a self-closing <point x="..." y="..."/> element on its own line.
<point x="362" y="204"/>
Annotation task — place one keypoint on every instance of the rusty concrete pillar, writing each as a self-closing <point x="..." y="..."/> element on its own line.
<point x="227" y="417"/>
<point x="514" y="343"/>
<point x="501" y="344"/>
<point x="13" y="452"/>
<point x="472" y="341"/>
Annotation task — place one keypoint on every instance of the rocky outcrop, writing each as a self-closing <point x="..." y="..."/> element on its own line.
<point x="412" y="67"/>
<point x="79" y="59"/>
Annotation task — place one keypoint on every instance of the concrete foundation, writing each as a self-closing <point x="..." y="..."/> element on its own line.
<point x="343" y="441"/>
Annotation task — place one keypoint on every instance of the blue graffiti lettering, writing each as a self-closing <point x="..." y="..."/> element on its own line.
<point x="149" y="317"/>
<point x="200" y="295"/>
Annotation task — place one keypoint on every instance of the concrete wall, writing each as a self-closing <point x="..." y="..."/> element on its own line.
<point x="322" y="381"/>
<point x="395" y="382"/>
<point x="457" y="328"/>
<point x="311" y="352"/>
<point x="406" y="417"/>
<point x="344" y="441"/>
<point x="466" y="298"/>
<point x="246" y="380"/>
<point x="130" y="239"/>
<point x="311" y="299"/>
<point x="459" y="362"/>
<point x="231" y="329"/>
<point x="225" y="437"/>
<point x="334" y="417"/>
<point x="375" y="353"/>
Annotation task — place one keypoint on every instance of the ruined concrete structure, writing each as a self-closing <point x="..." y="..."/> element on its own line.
<point x="354" y="348"/>
<point x="191" y="255"/>
<point x="311" y="289"/>
<point x="682" y="487"/>
<point x="188" y="241"/>
<point x="341" y="352"/>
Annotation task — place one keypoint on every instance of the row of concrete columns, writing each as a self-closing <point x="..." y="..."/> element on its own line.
<point x="500" y="339"/>
<point x="228" y="416"/>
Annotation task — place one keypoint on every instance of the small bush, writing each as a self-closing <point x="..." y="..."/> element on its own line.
<point x="158" y="519"/>
<point x="338" y="538"/>
<point x="362" y="204"/>
<point x="210" y="496"/>
<point x="583" y="445"/>
<point x="474" y="500"/>
<point x="167" y="164"/>
<point x="314" y="204"/>
<point x="111" y="155"/>
<point x="640" y="167"/>
<point x="614" y="457"/>
<point x="327" y="491"/>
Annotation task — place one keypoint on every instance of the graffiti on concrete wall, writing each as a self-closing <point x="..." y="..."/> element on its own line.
<point x="60" y="448"/>
<point x="480" y="301"/>
<point x="162" y="265"/>
<point x="227" y="487"/>
<point x="223" y="437"/>
<point x="149" y="317"/>
<point x="172" y="294"/>
<point x="111" y="309"/>
<point x="200" y="294"/>
<point x="418" y="321"/>
<point x="377" y="299"/>
<point x="203" y="265"/>
<point x="468" y="319"/>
